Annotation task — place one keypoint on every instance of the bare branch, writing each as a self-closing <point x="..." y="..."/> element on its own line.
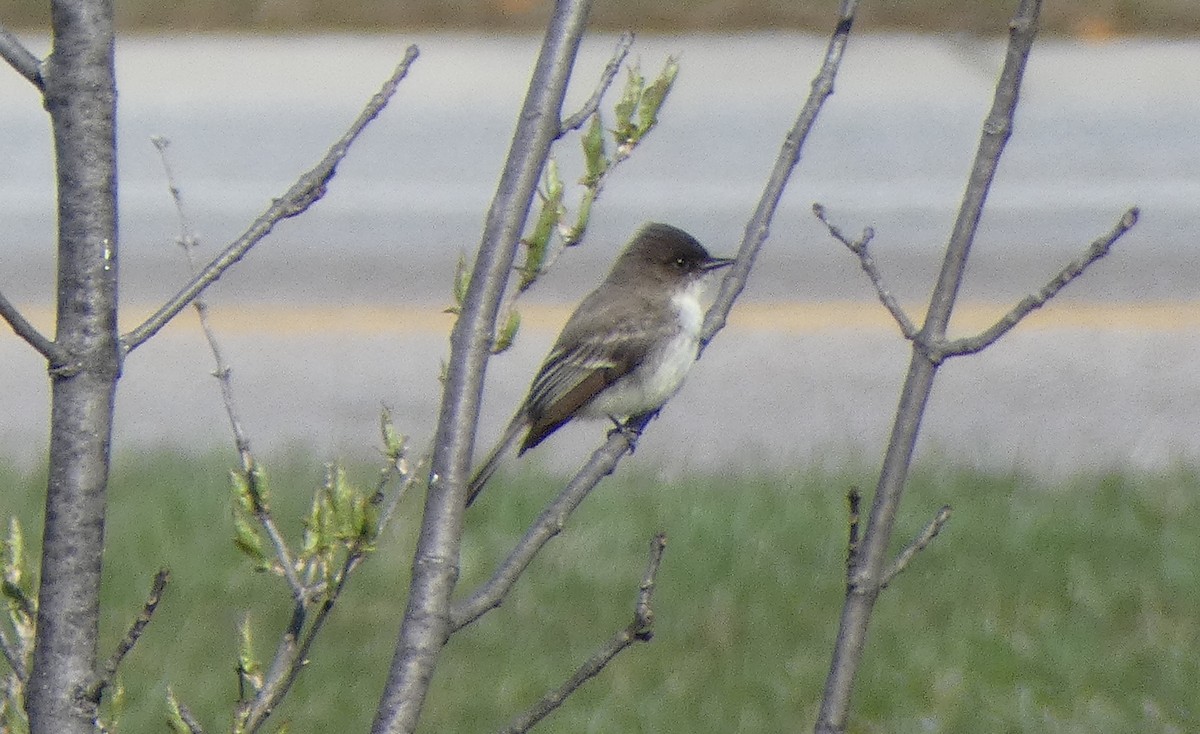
<point x="865" y="584"/>
<point x="96" y="689"/>
<point x="300" y="592"/>
<point x="188" y="718"/>
<point x="188" y="241"/>
<point x="14" y="658"/>
<point x="54" y="353"/>
<point x="548" y="524"/>
<point x="859" y="248"/>
<point x="853" y="502"/>
<point x="759" y="225"/>
<point x="1073" y="269"/>
<point x="575" y="121"/>
<point x="304" y="193"/>
<point x="19" y="58"/>
<point x="426" y="625"/>
<point x="80" y="97"/>
<point x="916" y="546"/>
<point x="639" y="630"/>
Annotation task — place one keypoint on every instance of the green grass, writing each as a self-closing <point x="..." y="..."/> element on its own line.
<point x="1066" y="608"/>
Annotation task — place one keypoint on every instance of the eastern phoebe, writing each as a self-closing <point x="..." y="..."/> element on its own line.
<point x="625" y="349"/>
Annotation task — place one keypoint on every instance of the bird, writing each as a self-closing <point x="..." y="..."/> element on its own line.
<point x="626" y="348"/>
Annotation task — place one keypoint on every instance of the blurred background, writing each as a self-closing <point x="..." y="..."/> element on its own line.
<point x="339" y="312"/>
<point x="1063" y="595"/>
<point x="1073" y="17"/>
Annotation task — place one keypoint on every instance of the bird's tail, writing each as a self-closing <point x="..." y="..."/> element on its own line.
<point x="485" y="471"/>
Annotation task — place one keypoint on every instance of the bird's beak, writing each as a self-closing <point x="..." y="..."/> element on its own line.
<point x="715" y="263"/>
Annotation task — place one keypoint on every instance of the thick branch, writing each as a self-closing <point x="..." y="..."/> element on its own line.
<point x="639" y="630"/>
<point x="589" y="107"/>
<point x="80" y="96"/>
<point x="56" y="355"/>
<point x="1073" y="269"/>
<point x="859" y="248"/>
<point x="19" y="58"/>
<point x="865" y="584"/>
<point x="426" y="624"/>
<point x="307" y="190"/>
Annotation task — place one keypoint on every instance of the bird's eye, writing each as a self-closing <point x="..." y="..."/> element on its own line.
<point x="680" y="263"/>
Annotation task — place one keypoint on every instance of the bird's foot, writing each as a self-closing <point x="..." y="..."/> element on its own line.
<point x="631" y="433"/>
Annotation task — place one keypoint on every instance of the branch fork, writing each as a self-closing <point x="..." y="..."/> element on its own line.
<point x="937" y="350"/>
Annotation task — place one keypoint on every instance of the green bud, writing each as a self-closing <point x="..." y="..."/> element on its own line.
<point x="462" y="279"/>
<point x="241" y="492"/>
<point x="116" y="702"/>
<point x="247" y="662"/>
<point x="393" y="441"/>
<point x="655" y="95"/>
<point x="14" y="553"/>
<point x="627" y="105"/>
<point x="314" y="526"/>
<point x="575" y="234"/>
<point x="508" y="332"/>
<point x="175" y="722"/>
<point x="248" y="541"/>
<point x="594" y="156"/>
<point x="537" y="243"/>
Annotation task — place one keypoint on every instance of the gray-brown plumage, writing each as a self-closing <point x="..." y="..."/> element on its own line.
<point x="625" y="349"/>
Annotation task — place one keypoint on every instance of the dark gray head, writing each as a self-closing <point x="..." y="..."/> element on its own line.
<point x="664" y="253"/>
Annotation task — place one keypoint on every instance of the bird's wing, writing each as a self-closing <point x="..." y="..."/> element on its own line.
<point x="570" y="378"/>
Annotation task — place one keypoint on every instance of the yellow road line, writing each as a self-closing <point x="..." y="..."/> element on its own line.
<point x="794" y="317"/>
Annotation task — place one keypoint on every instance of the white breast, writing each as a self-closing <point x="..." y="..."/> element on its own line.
<point x="660" y="376"/>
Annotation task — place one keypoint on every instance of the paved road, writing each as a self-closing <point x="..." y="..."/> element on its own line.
<point x="1101" y="127"/>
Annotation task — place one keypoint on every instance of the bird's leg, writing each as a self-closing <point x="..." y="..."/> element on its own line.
<point x="631" y="433"/>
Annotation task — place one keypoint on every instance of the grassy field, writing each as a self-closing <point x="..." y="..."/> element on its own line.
<point x="1073" y="17"/>
<point x="1067" y="608"/>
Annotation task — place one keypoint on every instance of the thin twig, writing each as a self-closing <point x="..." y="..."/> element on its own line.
<point x="575" y="121"/>
<point x="853" y="501"/>
<point x="14" y="658"/>
<point x="1073" y="269"/>
<point x="300" y="591"/>
<point x="918" y="544"/>
<point x="307" y="190"/>
<point x="109" y="671"/>
<point x="759" y="225"/>
<point x="292" y="654"/>
<point x="54" y="353"/>
<point x="408" y="476"/>
<point x="21" y="59"/>
<point x="188" y="718"/>
<point x="641" y="629"/>
<point x="548" y="524"/>
<point x="860" y="248"/>
<point x="189" y="241"/>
